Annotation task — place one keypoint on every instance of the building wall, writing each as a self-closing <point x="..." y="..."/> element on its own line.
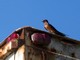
<point x="18" y="55"/>
<point x="63" y="50"/>
<point x="56" y="50"/>
<point x="11" y="57"/>
<point x="66" y="49"/>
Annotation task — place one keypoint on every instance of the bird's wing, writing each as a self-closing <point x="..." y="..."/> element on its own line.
<point x="52" y="27"/>
<point x="56" y="31"/>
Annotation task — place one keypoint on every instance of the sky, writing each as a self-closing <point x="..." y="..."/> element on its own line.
<point x="64" y="15"/>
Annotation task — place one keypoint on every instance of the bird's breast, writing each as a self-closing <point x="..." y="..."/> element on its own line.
<point x="49" y="28"/>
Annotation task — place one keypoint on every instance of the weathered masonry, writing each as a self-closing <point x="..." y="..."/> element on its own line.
<point x="28" y="43"/>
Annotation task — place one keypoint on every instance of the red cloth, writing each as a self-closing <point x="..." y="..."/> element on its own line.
<point x="12" y="37"/>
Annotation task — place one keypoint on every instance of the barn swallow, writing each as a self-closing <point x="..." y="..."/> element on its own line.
<point x="51" y="29"/>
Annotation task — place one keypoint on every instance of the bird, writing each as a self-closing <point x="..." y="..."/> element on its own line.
<point x="51" y="28"/>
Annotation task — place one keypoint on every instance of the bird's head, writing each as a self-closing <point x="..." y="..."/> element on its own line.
<point x="45" y="21"/>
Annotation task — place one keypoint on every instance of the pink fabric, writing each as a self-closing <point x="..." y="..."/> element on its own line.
<point x="8" y="39"/>
<point x="41" y="38"/>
